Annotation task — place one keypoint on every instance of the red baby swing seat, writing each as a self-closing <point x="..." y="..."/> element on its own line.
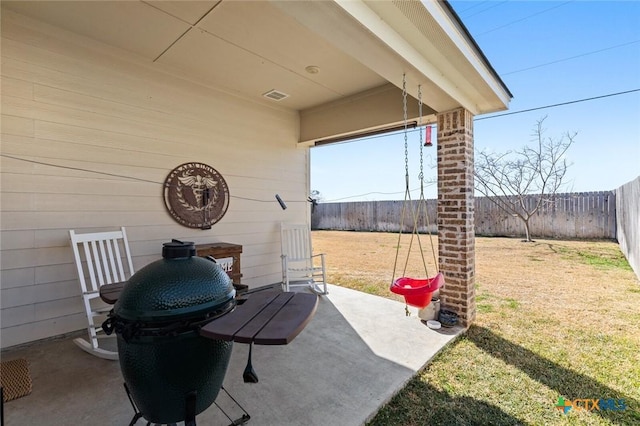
<point x="417" y="292"/>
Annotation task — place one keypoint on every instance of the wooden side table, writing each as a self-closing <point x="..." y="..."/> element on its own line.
<point x="227" y="255"/>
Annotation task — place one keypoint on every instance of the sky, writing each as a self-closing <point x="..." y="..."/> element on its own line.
<point x="546" y="52"/>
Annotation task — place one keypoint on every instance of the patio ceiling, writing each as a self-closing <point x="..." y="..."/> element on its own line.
<point x="359" y="51"/>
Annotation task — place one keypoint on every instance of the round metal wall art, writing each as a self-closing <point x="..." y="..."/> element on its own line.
<point x="196" y="195"/>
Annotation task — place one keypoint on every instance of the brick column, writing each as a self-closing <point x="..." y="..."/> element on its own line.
<point x="456" y="235"/>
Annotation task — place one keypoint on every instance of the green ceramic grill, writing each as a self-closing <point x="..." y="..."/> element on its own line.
<point x="170" y="371"/>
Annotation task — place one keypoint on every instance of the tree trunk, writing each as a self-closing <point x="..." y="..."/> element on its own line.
<point x="526" y="230"/>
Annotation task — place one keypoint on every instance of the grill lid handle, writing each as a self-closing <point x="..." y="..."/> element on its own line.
<point x="177" y="249"/>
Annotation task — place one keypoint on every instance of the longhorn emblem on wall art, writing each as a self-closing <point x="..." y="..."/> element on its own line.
<point x="196" y="195"/>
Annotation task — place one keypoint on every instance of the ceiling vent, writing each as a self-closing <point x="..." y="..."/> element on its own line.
<point x="275" y="95"/>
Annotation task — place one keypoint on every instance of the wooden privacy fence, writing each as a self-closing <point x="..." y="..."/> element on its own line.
<point x="377" y="216"/>
<point x="574" y="215"/>
<point x="628" y="222"/>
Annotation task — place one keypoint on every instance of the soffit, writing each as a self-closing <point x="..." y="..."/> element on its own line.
<point x="131" y="25"/>
<point x="246" y="47"/>
<point x="251" y="47"/>
<point x="188" y="11"/>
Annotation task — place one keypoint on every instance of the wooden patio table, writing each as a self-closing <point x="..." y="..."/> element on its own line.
<point x="267" y="318"/>
<point x="263" y="318"/>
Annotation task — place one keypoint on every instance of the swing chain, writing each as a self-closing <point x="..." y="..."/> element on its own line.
<point x="421" y="174"/>
<point x="406" y="172"/>
<point x="406" y="125"/>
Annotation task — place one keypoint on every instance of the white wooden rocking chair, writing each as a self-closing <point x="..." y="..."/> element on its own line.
<point x="99" y="260"/>
<point x="299" y="266"/>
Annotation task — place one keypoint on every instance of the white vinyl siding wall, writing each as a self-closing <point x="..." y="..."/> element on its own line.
<point x="101" y="130"/>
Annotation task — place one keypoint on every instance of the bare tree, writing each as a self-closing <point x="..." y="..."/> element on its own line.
<point x="535" y="172"/>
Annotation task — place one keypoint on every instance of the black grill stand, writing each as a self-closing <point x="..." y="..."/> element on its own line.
<point x="242" y="420"/>
<point x="190" y="418"/>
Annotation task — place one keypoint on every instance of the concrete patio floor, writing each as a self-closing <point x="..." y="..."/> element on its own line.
<point x="355" y="354"/>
